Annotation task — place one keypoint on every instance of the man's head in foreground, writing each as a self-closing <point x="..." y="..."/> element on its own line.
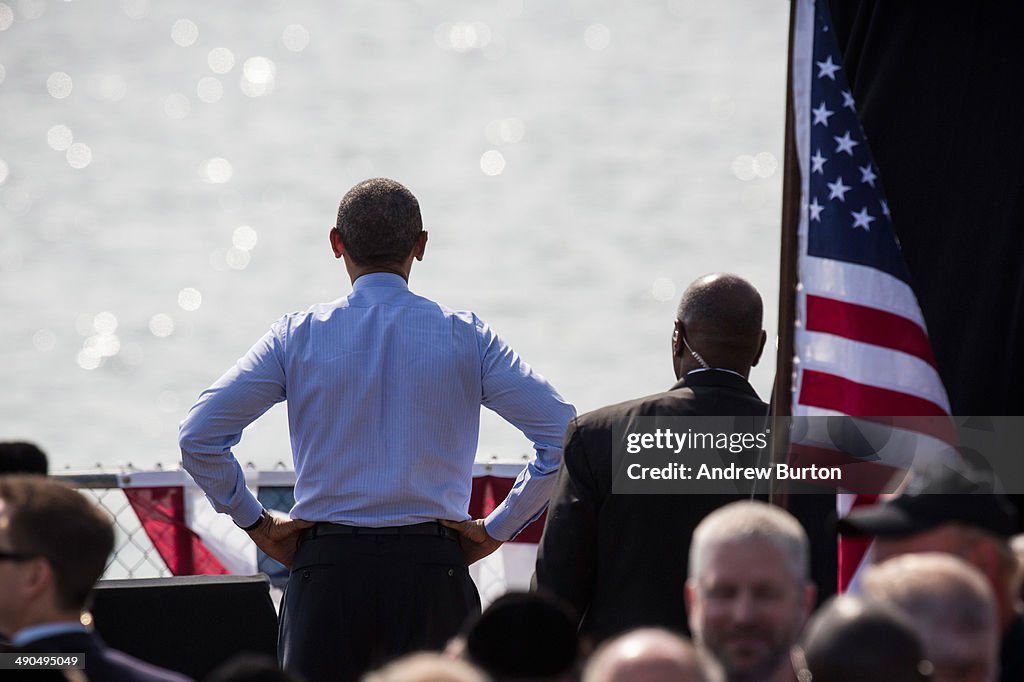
<point x="949" y="511"/>
<point x="54" y="546"/>
<point x="427" y="667"/>
<point x="850" y="640"/>
<point x="647" y="654"/>
<point x="22" y="457"/>
<point x="522" y="636"/>
<point x="748" y="594"/>
<point x="950" y="606"/>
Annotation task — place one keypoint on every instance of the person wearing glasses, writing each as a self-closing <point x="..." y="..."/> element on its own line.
<point x="54" y="546"/>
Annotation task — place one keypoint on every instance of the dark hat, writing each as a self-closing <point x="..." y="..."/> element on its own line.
<point x="936" y="494"/>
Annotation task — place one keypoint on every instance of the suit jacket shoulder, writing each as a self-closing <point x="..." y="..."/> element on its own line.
<point x="706" y="393"/>
<point x="103" y="664"/>
<point x="620" y="560"/>
<point x="698" y="394"/>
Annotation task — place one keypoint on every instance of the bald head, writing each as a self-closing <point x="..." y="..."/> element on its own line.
<point x="950" y="605"/>
<point x="648" y="654"/>
<point x="888" y="650"/>
<point x="427" y="667"/>
<point x="720" y="317"/>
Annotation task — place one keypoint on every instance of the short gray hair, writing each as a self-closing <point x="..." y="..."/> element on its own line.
<point x="740" y="521"/>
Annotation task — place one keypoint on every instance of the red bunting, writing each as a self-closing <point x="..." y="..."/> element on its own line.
<point x="161" y="511"/>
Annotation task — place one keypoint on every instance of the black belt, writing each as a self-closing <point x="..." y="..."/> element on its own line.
<point x="426" y="528"/>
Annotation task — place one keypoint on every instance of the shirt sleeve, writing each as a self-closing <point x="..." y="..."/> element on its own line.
<point x="526" y="400"/>
<point x="214" y="425"/>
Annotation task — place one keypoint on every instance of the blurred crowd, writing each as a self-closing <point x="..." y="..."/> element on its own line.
<point x="939" y="601"/>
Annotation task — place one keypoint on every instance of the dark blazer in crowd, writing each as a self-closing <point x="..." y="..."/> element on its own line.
<point x="621" y="560"/>
<point x="102" y="663"/>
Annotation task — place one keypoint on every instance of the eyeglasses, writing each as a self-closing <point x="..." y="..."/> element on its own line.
<point x="16" y="556"/>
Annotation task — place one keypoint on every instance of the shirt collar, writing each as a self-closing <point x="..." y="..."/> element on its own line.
<point x="44" y="630"/>
<point x="715" y="377"/>
<point x="713" y="369"/>
<point x="380" y="279"/>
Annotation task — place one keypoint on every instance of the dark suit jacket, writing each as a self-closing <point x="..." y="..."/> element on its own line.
<point x="102" y="664"/>
<point x="620" y="560"/>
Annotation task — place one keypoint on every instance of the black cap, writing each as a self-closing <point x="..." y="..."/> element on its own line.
<point x="936" y="494"/>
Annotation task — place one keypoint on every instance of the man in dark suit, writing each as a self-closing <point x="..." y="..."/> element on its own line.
<point x="54" y="545"/>
<point x="619" y="559"/>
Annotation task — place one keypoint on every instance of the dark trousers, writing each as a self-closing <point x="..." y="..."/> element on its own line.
<point x="354" y="602"/>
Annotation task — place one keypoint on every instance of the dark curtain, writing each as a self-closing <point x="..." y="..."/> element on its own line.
<point x="939" y="87"/>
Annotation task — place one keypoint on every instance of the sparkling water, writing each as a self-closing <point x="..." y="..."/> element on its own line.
<point x="169" y="173"/>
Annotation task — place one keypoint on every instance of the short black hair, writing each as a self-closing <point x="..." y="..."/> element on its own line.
<point x="535" y="622"/>
<point x="21" y="457"/>
<point x="379" y="221"/>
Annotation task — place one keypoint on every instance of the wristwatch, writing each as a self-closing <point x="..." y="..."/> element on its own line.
<point x="263" y="514"/>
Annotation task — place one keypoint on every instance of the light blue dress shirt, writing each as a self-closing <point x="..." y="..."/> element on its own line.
<point x="384" y="389"/>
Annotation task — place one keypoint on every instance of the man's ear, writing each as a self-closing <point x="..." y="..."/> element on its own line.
<point x="760" y="348"/>
<point x="810" y="596"/>
<point x="689" y="595"/>
<point x="678" y="346"/>
<point x="40" y="578"/>
<point x="337" y="245"/>
<point x="420" y="246"/>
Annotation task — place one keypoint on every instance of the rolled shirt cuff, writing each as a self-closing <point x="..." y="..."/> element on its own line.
<point x="503" y="526"/>
<point x="248" y="512"/>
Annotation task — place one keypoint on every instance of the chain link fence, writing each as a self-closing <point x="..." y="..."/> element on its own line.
<point x="134" y="555"/>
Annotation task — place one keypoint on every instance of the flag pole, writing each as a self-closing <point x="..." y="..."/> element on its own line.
<point x="782" y="389"/>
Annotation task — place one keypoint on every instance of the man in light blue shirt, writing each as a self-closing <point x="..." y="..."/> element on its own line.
<point x="384" y="389"/>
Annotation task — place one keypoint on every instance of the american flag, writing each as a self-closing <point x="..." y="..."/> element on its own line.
<point x="861" y="346"/>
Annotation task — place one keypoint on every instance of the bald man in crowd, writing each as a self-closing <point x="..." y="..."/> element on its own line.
<point x="887" y="647"/>
<point x="648" y="654"/>
<point x="620" y="560"/>
<point x="427" y="667"/>
<point x="947" y="510"/>
<point x="749" y="592"/>
<point x="950" y="606"/>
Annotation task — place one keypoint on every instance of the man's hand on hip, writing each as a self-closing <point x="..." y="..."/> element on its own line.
<point x="278" y="537"/>
<point x="473" y="538"/>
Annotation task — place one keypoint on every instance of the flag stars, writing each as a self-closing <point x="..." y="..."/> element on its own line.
<point x="821" y="114"/>
<point x="827" y="68"/>
<point x="885" y="208"/>
<point x="837" y="190"/>
<point x="818" y="162"/>
<point x="845" y="144"/>
<point x="816" y="210"/>
<point x="867" y="175"/>
<point x="848" y="100"/>
<point x="862" y="218"/>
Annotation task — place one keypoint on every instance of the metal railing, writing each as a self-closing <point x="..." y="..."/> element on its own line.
<point x="135" y="556"/>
